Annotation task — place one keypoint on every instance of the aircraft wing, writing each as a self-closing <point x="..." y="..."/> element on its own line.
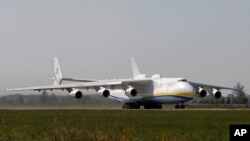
<point x="209" y="88"/>
<point x="113" y="84"/>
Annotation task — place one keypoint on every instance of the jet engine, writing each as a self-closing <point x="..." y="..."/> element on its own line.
<point x="202" y="92"/>
<point x="131" y="91"/>
<point x="217" y="93"/>
<point x="76" y="93"/>
<point x="104" y="92"/>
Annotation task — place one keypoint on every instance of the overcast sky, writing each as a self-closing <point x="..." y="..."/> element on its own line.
<point x="203" y="41"/>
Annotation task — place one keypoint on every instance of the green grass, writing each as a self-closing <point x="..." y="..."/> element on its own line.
<point x="123" y="125"/>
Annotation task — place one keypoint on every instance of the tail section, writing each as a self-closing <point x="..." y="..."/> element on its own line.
<point x="58" y="77"/>
<point x="57" y="72"/>
<point x="135" y="70"/>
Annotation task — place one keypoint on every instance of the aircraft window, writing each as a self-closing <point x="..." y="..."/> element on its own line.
<point x="183" y="80"/>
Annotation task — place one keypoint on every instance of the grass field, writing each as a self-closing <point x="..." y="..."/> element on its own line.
<point x="123" y="125"/>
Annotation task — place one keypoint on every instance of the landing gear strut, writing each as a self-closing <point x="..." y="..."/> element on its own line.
<point x="182" y="106"/>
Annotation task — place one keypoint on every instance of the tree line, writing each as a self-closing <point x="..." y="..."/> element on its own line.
<point x="48" y="100"/>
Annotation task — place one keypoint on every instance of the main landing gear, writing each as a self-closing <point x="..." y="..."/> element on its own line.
<point x="131" y="106"/>
<point x="152" y="106"/>
<point x="182" y="106"/>
<point x="137" y="106"/>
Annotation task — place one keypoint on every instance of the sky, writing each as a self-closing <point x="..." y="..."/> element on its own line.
<point x="202" y="41"/>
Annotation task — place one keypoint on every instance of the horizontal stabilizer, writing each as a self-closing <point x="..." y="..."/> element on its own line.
<point x="78" y="80"/>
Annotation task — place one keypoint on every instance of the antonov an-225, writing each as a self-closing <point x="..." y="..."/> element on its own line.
<point x="150" y="92"/>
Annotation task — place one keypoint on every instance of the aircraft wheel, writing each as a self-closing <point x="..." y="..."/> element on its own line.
<point x="177" y="106"/>
<point x="182" y="106"/>
<point x="137" y="105"/>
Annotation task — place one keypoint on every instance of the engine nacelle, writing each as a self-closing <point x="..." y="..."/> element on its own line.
<point x="217" y="93"/>
<point x="104" y="92"/>
<point x="202" y="92"/>
<point x="76" y="93"/>
<point x="131" y="91"/>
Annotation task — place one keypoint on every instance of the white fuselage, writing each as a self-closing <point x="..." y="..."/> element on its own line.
<point x="161" y="91"/>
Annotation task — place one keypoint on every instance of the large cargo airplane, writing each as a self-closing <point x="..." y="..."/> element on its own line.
<point x="140" y="90"/>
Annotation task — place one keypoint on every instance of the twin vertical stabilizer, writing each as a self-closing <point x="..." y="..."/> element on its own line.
<point x="58" y="77"/>
<point x="57" y="72"/>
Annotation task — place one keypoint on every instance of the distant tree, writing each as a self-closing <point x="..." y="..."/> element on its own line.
<point x="43" y="97"/>
<point x="222" y="100"/>
<point x="212" y="100"/>
<point x="233" y="100"/>
<point x="228" y="100"/>
<point x="20" y="99"/>
<point x="52" y="99"/>
<point x="240" y="96"/>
